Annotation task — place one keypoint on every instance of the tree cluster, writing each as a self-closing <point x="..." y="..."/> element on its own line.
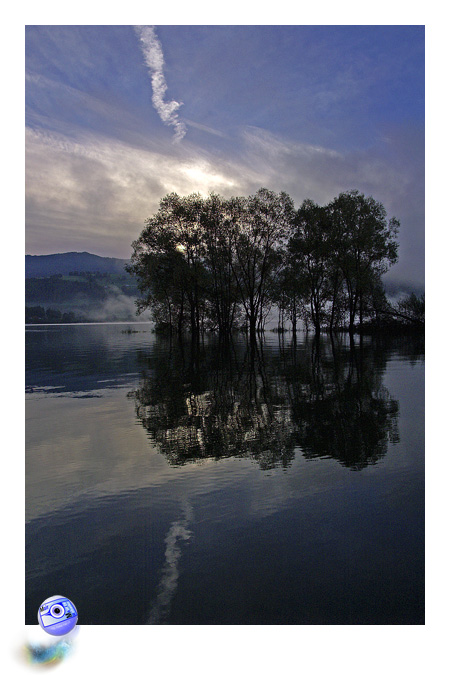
<point x="217" y="264"/>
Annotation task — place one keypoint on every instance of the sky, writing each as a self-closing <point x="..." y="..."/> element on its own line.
<point x="119" y="116"/>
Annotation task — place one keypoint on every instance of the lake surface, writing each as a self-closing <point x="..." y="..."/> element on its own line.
<point x="282" y="485"/>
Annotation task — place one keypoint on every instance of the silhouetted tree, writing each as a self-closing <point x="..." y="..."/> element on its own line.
<point x="223" y="290"/>
<point x="260" y="226"/>
<point x="310" y="245"/>
<point x="412" y="308"/>
<point x="169" y="261"/>
<point x="409" y="311"/>
<point x="365" y="243"/>
<point x="203" y="263"/>
<point x="160" y="269"/>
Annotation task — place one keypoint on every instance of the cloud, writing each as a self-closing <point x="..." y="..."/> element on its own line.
<point x="392" y="172"/>
<point x="154" y="58"/>
<point x="94" y="193"/>
<point x="45" y="95"/>
<point x="205" y="128"/>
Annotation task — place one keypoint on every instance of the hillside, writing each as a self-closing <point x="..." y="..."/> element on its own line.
<point x="78" y="287"/>
<point x="65" y="263"/>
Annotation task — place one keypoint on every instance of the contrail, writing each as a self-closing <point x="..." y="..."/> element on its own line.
<point x="170" y="572"/>
<point x="154" y="58"/>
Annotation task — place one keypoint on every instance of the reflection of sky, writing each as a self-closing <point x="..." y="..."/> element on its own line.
<point x="84" y="440"/>
<point x="110" y="519"/>
<point x="312" y="110"/>
<point x="86" y="448"/>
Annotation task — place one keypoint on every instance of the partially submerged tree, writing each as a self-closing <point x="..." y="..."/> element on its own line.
<point x="412" y="308"/>
<point x="366" y="245"/>
<point x="169" y="261"/>
<point x="202" y="263"/>
<point x="260" y="226"/>
<point x="223" y="291"/>
<point x="311" y="249"/>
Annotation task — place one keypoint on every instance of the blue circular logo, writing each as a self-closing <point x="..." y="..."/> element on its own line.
<point x="57" y="615"/>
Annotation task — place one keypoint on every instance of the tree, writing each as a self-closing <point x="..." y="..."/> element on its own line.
<point x="412" y="308"/>
<point x="183" y="216"/>
<point x="159" y="268"/>
<point x="259" y="226"/>
<point x="223" y="292"/>
<point x="168" y="260"/>
<point x="311" y="250"/>
<point x="366" y="245"/>
<point x="200" y="263"/>
<point x="376" y="300"/>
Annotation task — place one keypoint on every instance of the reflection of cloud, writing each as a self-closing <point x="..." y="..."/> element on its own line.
<point x="170" y="572"/>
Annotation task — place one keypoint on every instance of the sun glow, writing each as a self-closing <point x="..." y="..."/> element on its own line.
<point x="205" y="179"/>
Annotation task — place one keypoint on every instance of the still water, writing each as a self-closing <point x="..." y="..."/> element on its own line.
<point x="223" y="485"/>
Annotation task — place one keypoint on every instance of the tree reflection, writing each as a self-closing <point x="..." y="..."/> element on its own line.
<point x="340" y="407"/>
<point x="226" y="400"/>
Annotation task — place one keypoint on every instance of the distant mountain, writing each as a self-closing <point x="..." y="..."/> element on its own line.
<point x="64" y="263"/>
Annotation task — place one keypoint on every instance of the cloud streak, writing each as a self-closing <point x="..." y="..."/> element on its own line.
<point x="179" y="531"/>
<point x="154" y="58"/>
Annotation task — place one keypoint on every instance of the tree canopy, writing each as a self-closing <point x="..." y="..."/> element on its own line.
<point x="218" y="264"/>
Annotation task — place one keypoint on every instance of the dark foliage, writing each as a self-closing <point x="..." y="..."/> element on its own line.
<point x="221" y="264"/>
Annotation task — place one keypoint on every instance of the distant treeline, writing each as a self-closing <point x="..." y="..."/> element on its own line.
<point x="80" y="297"/>
<point x="60" y="288"/>
<point x="220" y="264"/>
<point x="39" y="314"/>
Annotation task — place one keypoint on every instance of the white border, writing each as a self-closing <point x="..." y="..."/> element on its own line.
<point x="208" y="649"/>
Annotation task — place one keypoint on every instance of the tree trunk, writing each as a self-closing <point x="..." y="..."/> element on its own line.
<point x="170" y="314"/>
<point x="181" y="315"/>
<point x="351" y="326"/>
<point x="193" y="326"/>
<point x="252" y="324"/>
<point x="360" y="309"/>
